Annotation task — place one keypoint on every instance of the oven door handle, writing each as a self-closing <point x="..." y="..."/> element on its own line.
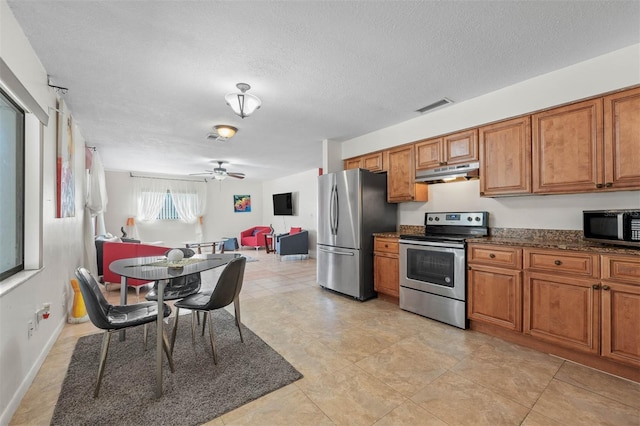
<point x="342" y="253"/>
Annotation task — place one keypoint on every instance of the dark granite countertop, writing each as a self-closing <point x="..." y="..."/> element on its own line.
<point x="536" y="238"/>
<point x="551" y="239"/>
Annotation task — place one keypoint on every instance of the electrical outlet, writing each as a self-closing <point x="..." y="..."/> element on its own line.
<point x="29" y="329"/>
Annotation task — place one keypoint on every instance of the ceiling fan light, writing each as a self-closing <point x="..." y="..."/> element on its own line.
<point x="217" y="176"/>
<point x="243" y="104"/>
<point x="225" y="131"/>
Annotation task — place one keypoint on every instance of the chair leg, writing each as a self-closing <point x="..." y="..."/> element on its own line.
<point x="165" y="346"/>
<point x="204" y="322"/>
<point x="193" y="327"/>
<point x="213" y="345"/>
<point x="106" y="337"/>
<point x="236" y="306"/>
<point x="144" y="335"/>
<point x="175" y="330"/>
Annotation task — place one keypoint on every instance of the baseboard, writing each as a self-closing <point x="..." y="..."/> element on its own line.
<point x="14" y="403"/>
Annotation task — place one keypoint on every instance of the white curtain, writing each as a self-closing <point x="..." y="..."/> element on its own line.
<point x="148" y="195"/>
<point x="190" y="201"/>
<point x="95" y="206"/>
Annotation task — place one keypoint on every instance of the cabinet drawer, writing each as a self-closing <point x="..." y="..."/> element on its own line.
<point x="621" y="268"/>
<point x="576" y="263"/>
<point x="503" y="256"/>
<point x="386" y="245"/>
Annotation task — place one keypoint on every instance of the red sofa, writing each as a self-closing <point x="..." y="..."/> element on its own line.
<point x="116" y="250"/>
<point x="254" y="237"/>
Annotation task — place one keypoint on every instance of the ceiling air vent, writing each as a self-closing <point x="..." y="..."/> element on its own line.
<point x="437" y="104"/>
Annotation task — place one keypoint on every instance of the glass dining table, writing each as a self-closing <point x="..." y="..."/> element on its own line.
<point x="158" y="268"/>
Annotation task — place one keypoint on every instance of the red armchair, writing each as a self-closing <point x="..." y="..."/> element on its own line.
<point x="254" y="237"/>
<point x="115" y="250"/>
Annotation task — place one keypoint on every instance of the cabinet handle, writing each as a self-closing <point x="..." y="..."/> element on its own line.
<point x="386" y="246"/>
<point x="469" y="268"/>
<point x="492" y="255"/>
<point x="481" y="192"/>
<point x="595" y="286"/>
<point x="599" y="185"/>
<point x="558" y="262"/>
<point x="443" y="163"/>
<point x="606" y="287"/>
<point x="608" y="184"/>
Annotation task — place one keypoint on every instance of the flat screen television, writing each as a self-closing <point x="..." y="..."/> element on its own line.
<point x="282" y="204"/>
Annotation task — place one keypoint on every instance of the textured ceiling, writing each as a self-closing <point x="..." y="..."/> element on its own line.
<point x="147" y="79"/>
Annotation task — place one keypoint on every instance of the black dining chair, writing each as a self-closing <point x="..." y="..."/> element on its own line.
<point x="175" y="289"/>
<point x="116" y="317"/>
<point x="226" y="291"/>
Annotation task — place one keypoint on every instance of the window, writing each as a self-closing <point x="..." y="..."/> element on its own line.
<point x="11" y="187"/>
<point x="168" y="210"/>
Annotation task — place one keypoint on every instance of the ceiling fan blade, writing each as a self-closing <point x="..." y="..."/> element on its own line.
<point x="236" y="175"/>
<point x="199" y="174"/>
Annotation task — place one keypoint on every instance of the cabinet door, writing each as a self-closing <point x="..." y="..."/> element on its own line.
<point x="505" y="158"/>
<point x="460" y="148"/>
<point x="622" y="140"/>
<point x="429" y="154"/>
<point x="352" y="163"/>
<point x="401" y="175"/>
<point x="567" y="148"/>
<point x="373" y="162"/>
<point x="562" y="310"/>
<point x="620" y="321"/>
<point x="495" y="296"/>
<point x="386" y="274"/>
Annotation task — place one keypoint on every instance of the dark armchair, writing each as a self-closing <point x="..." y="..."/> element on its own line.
<point x="292" y="243"/>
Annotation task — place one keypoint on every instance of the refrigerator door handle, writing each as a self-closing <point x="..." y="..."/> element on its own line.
<point x="342" y="253"/>
<point x="334" y="210"/>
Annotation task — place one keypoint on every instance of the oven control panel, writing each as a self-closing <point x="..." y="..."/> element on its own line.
<point x="457" y="218"/>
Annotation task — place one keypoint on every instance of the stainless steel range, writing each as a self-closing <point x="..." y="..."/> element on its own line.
<point x="433" y="266"/>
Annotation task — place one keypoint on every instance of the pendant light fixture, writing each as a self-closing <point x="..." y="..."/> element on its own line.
<point x="243" y="104"/>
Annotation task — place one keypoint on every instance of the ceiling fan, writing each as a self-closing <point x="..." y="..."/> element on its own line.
<point x="220" y="173"/>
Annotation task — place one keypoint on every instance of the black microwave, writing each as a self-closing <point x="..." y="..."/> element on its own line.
<point x="612" y="226"/>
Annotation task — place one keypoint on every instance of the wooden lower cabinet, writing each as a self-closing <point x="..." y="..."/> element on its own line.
<point x="495" y="296"/>
<point x="621" y="309"/>
<point x="386" y="266"/>
<point x="562" y="310"/>
<point x="579" y="305"/>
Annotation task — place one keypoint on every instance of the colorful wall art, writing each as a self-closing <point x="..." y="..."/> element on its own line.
<point x="242" y="203"/>
<point x="65" y="182"/>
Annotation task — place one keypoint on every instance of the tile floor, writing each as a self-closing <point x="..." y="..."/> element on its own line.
<point x="371" y="363"/>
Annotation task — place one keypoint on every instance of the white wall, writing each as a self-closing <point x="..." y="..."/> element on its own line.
<point x="62" y="247"/>
<point x="609" y="72"/>
<point x="304" y="189"/>
<point x="219" y="221"/>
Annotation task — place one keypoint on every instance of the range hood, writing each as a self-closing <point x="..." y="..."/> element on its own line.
<point x="449" y="173"/>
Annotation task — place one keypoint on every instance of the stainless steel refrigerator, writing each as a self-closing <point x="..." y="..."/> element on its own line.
<point x="352" y="205"/>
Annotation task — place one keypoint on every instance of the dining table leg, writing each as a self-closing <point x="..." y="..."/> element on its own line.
<point x="159" y="337"/>
<point x="123" y="301"/>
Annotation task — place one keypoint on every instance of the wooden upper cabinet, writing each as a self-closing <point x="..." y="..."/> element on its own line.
<point x="622" y="140"/>
<point x="429" y="154"/>
<point x="505" y="158"/>
<point x="456" y="148"/>
<point x="462" y="147"/>
<point x="352" y="163"/>
<point x="568" y="148"/>
<point x="401" y="174"/>
<point x="372" y="162"/>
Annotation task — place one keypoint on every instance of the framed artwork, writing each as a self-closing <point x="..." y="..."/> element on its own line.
<point x="242" y="203"/>
<point x="65" y="179"/>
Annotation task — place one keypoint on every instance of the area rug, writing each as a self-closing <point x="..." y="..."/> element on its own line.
<point x="197" y="392"/>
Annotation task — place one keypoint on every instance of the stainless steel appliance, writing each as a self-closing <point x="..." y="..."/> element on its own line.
<point x="433" y="266"/>
<point x="352" y="205"/>
<point x="449" y="173"/>
<point x="612" y="226"/>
